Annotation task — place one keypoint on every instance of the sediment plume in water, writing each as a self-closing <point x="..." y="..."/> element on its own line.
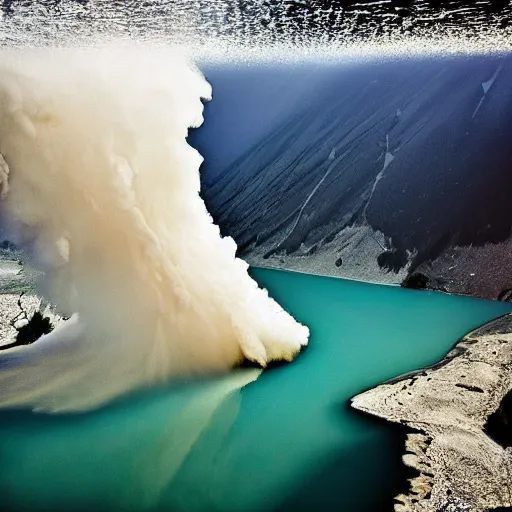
<point x="102" y="190"/>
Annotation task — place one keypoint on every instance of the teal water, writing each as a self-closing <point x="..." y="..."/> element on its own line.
<point x="287" y="441"/>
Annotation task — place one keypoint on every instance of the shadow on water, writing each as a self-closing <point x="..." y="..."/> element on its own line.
<point x="287" y="441"/>
<point x="372" y="477"/>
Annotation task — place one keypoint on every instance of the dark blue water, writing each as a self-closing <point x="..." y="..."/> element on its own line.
<point x="287" y="441"/>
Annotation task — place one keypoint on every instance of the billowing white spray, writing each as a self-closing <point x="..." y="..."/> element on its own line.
<point x="103" y="189"/>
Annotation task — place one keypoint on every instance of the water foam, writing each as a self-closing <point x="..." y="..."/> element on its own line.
<point x="103" y="190"/>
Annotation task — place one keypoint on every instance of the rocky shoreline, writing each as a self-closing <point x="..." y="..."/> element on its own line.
<point x="24" y="316"/>
<point x="461" y="412"/>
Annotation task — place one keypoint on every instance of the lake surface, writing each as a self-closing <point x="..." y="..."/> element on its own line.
<point x="287" y="441"/>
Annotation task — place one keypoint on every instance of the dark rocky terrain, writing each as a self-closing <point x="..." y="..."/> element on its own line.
<point x="394" y="171"/>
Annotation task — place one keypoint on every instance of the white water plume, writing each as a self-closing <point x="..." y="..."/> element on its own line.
<point x="102" y="190"/>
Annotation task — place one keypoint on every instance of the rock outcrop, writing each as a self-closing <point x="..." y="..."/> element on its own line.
<point x="460" y="411"/>
<point x="24" y="316"/>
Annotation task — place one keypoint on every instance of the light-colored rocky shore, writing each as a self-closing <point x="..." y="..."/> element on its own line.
<point x="18" y="301"/>
<point x="12" y="316"/>
<point x="461" y="467"/>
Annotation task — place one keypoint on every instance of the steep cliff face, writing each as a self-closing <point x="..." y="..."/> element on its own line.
<point x="461" y="410"/>
<point x="380" y="171"/>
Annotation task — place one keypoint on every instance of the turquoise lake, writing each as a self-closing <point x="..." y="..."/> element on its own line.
<point x="287" y="441"/>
